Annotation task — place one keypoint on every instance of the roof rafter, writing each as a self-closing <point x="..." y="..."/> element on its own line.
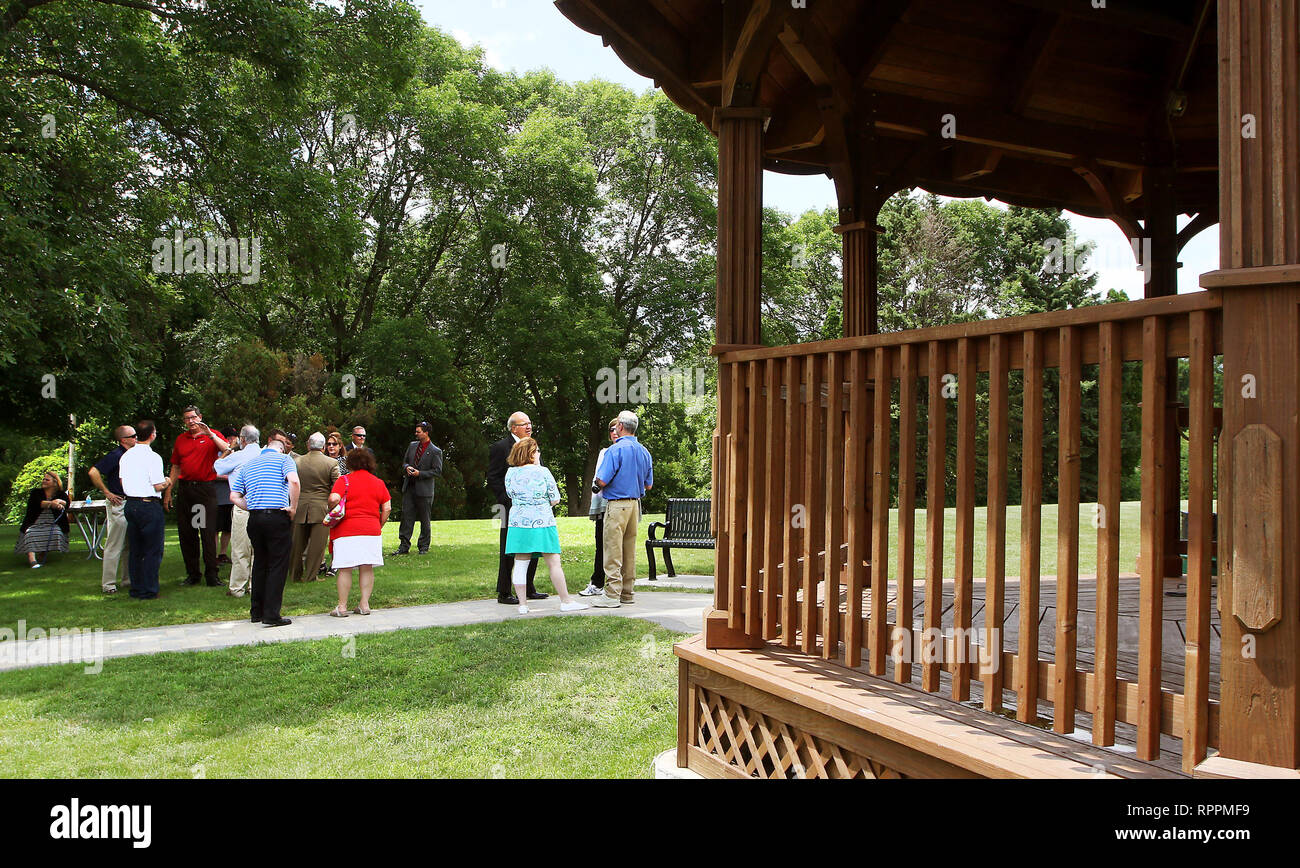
<point x="1025" y="68"/>
<point x="887" y="14"/>
<point x="753" y="43"/>
<point x="994" y="127"/>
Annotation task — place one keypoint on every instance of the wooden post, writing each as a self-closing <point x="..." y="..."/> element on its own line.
<point x="739" y="268"/>
<point x="740" y="219"/>
<point x="1259" y="502"/>
<point x="1162" y="272"/>
<point x="859" y="276"/>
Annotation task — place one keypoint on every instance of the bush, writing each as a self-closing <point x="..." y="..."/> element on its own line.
<point x="30" y="477"/>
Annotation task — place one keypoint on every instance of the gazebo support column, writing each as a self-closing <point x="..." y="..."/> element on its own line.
<point x="1162" y="229"/>
<point x="740" y="224"/>
<point x="1259" y="500"/>
<point x="860" y="270"/>
<point x="739" y="282"/>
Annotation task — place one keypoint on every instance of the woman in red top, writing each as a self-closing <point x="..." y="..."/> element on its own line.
<point x="357" y="539"/>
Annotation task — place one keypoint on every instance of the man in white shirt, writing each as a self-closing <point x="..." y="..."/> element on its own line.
<point x="141" y="472"/>
<point x="241" y="548"/>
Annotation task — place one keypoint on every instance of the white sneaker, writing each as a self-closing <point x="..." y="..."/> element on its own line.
<point x="590" y="591"/>
<point x="36" y="566"/>
<point x="523" y="610"/>
<point x="604" y="602"/>
<point x="573" y="607"/>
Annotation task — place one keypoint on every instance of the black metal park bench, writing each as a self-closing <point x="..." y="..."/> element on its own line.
<point x="686" y="526"/>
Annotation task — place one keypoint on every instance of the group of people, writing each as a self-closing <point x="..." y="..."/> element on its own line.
<point x="527" y="493"/>
<point x="276" y="512"/>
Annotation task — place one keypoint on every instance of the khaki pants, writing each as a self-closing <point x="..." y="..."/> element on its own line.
<point x="621" y="517"/>
<point x="310" y="539"/>
<point x="241" y="552"/>
<point x="114" y="542"/>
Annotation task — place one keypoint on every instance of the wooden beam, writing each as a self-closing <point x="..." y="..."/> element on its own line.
<point x="1111" y="202"/>
<point x="812" y="50"/>
<point x="748" y="56"/>
<point x="974" y="161"/>
<point x="1127" y="184"/>
<point x="1199" y="223"/>
<point x="795" y="126"/>
<point x="887" y="13"/>
<point x="844" y="157"/>
<point x="1028" y="59"/>
<point x="981" y="123"/>
<point x="1120" y="15"/>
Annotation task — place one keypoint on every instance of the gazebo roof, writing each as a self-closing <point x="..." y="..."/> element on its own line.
<point x="1045" y="103"/>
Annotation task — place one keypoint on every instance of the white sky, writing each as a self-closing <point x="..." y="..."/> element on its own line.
<point x="523" y="35"/>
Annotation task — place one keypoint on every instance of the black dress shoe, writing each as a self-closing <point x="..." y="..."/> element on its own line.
<point x="214" y="583"/>
<point x="537" y="595"/>
<point x="256" y="619"/>
<point x="401" y="552"/>
<point x="511" y="600"/>
<point x="188" y="582"/>
<point x="278" y="622"/>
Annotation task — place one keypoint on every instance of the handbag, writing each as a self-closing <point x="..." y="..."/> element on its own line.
<point x="335" y="515"/>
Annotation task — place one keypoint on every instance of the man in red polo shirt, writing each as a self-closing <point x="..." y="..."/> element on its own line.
<point x="196" y="498"/>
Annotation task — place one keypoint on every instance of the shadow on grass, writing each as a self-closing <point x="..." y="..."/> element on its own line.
<point x="465" y="673"/>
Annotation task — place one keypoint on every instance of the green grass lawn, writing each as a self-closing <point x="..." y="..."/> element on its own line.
<point x="461" y="565"/>
<point x="550" y="697"/>
<point x="1129" y="540"/>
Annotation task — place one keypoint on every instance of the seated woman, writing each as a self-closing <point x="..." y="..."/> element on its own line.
<point x="533" y="494"/>
<point x="45" y="526"/>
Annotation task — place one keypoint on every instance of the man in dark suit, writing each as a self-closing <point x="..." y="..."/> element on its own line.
<point x="520" y="426"/>
<point x="358" y="440"/>
<point x="422" y="463"/>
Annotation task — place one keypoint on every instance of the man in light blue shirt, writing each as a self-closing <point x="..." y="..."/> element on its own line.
<point x="241" y="549"/>
<point x="268" y="488"/>
<point x="625" y="475"/>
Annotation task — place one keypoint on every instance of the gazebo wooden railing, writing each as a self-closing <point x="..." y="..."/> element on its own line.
<point x="799" y="478"/>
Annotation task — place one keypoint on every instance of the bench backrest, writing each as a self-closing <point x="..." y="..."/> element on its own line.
<point x="688" y="518"/>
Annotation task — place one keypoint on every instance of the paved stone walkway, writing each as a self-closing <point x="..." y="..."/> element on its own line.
<point x="679" y="611"/>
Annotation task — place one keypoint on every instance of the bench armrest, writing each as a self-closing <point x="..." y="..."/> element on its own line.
<point x="650" y="531"/>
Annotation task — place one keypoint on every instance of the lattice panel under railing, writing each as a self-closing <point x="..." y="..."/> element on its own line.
<point x="763" y="747"/>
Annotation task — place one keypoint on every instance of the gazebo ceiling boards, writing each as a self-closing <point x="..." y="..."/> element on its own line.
<point x="1044" y="103"/>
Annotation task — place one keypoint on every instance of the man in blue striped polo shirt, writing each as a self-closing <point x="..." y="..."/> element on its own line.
<point x="267" y="486"/>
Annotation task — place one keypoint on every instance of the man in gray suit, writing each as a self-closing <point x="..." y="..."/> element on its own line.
<point x="422" y="463"/>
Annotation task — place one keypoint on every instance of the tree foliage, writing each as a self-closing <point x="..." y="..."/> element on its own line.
<point x="436" y="240"/>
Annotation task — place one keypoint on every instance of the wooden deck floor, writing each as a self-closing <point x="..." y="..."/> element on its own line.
<point x="1172" y="644"/>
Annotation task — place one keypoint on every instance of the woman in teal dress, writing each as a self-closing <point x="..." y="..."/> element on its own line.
<point x="533" y="495"/>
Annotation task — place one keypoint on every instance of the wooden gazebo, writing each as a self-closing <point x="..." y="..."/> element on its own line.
<point x="817" y="660"/>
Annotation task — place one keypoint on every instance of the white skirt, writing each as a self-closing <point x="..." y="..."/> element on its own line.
<point x="357" y="551"/>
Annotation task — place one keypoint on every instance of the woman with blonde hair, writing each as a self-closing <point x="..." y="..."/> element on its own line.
<point x="532" y="530"/>
<point x="45" y="524"/>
